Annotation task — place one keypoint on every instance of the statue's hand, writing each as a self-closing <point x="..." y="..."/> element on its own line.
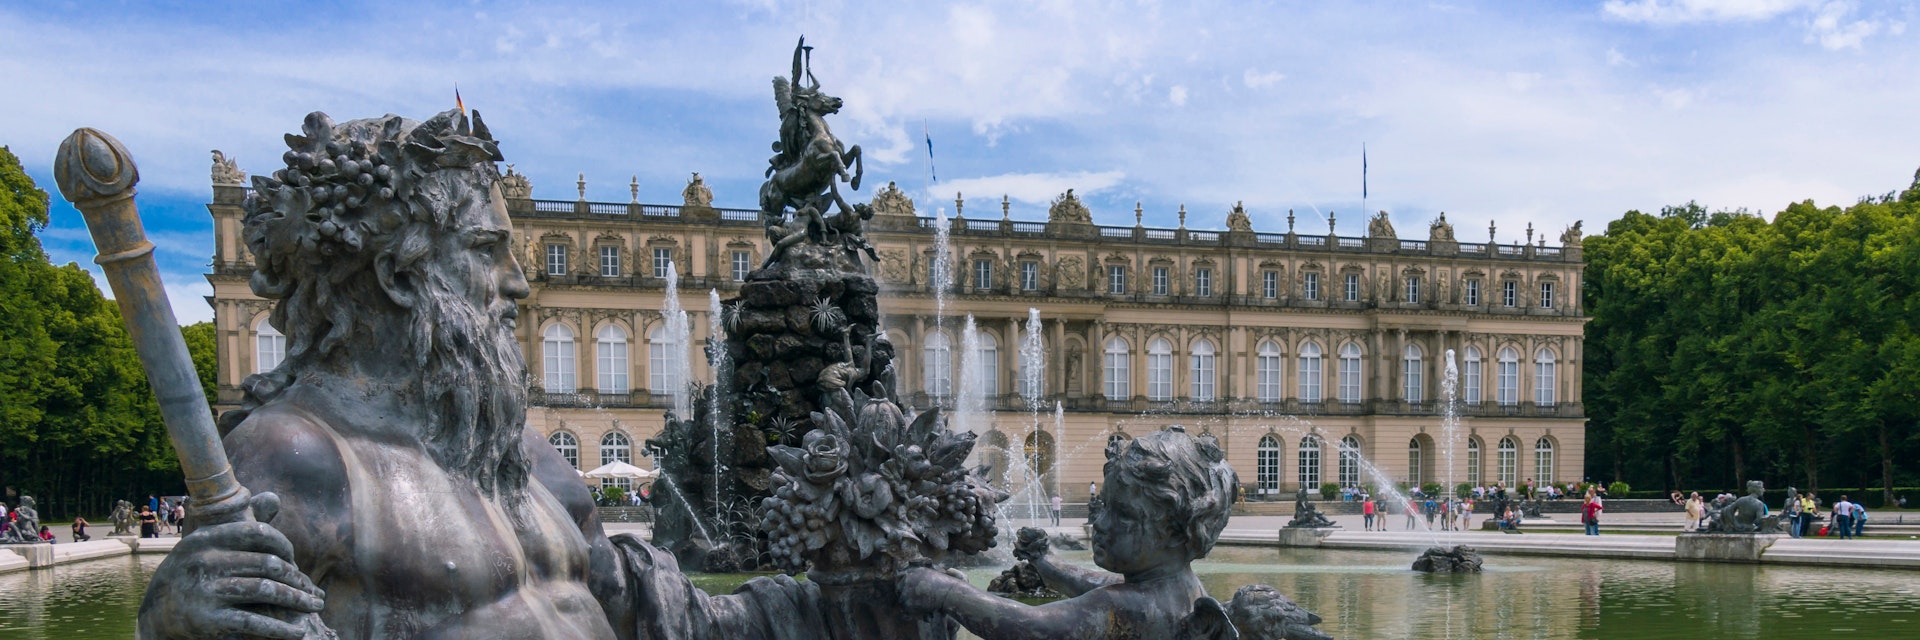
<point x="230" y="579"/>
<point x="1031" y="544"/>
<point x="925" y="590"/>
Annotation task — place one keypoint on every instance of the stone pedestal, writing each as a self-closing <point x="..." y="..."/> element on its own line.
<point x="1744" y="548"/>
<point x="38" y="555"/>
<point x="1303" y="536"/>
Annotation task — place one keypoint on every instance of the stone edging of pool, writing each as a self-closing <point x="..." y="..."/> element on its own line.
<point x="1825" y="552"/>
<point x="21" y="557"/>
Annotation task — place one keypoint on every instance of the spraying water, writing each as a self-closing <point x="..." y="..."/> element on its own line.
<point x="1449" y="420"/>
<point x="942" y="277"/>
<point x="677" y="338"/>
<point x="970" y="413"/>
<point x="718" y="417"/>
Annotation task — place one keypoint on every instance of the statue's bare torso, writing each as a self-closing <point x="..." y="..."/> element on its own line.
<point x="407" y="549"/>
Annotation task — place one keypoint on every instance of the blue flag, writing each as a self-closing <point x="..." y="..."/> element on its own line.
<point x="930" y="171"/>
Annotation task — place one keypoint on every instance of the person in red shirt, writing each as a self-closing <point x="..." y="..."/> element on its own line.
<point x="1366" y="509"/>
<point x="1590" y="514"/>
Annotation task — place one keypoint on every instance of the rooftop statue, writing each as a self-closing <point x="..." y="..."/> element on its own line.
<point x="697" y="194"/>
<point x="1380" y="226"/>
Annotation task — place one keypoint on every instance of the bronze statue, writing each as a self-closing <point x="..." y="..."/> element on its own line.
<point x="804" y="174"/>
<point x="404" y="496"/>
<point x="122" y="518"/>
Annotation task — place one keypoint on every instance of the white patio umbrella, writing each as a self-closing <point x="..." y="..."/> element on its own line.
<point x="618" y="469"/>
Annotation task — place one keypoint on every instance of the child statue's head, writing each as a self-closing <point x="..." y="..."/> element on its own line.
<point x="1167" y="496"/>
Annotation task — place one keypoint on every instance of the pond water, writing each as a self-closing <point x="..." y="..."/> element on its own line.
<point x="1362" y="595"/>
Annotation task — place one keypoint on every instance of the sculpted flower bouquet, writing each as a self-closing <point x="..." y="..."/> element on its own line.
<point x="889" y="492"/>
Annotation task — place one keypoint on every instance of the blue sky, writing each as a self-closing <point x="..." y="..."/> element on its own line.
<point x="1509" y="113"/>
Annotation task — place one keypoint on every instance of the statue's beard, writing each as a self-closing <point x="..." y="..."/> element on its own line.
<point x="473" y="380"/>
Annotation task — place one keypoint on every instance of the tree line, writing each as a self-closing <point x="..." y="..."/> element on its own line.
<point x="1724" y="347"/>
<point x="79" y="427"/>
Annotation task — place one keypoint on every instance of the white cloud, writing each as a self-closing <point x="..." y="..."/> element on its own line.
<point x="1832" y="27"/>
<point x="1522" y="81"/>
<point x="1177" y="95"/>
<point x="1255" y="79"/>
<point x="1026" y="188"/>
<point x="1617" y="59"/>
<point x="1685" y="11"/>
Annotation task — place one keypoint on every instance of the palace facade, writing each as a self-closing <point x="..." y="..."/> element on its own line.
<point x="1288" y="347"/>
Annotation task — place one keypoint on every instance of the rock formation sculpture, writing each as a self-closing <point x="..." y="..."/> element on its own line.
<point x="1459" y="559"/>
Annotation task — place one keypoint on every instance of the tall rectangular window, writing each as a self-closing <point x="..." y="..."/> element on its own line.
<point x="1203" y="282"/>
<point x="1119" y="384"/>
<point x="556" y="259"/>
<point x="1310" y="286"/>
<point x="662" y="261"/>
<point x="1350" y="374"/>
<point x="742" y="262"/>
<point x="1201" y="386"/>
<point x="609" y="261"/>
<point x="1270" y="284"/>
<point x="1510" y="293"/>
<point x="1546" y="295"/>
<point x="983" y="275"/>
<point x="1159" y="281"/>
<point x="1413" y="289"/>
<point x="1029" y="276"/>
<point x="1473" y="293"/>
<point x="1470" y="378"/>
<point x="1267" y="366"/>
<point x="1116" y="280"/>
<point x="1353" y="287"/>
<point x="1309" y="377"/>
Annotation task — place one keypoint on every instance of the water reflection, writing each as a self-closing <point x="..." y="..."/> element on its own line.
<point x="1362" y="594"/>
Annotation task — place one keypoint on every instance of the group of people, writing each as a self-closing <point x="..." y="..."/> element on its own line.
<point x="1848" y="518"/>
<point x="159" y="515"/>
<point x="1451" y="514"/>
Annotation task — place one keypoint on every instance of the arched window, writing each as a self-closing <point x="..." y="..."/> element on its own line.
<point x="1411" y="367"/>
<point x="986" y="352"/>
<point x="1350" y="373"/>
<point x="557" y="347"/>
<point x="1350" y="461"/>
<point x="938" y="365"/>
<point x="666" y="358"/>
<point x="1201" y="386"/>
<point x="615" y="447"/>
<point x="1543" y="460"/>
<point x="1119" y="381"/>
<point x="1508" y="458"/>
<point x="1267" y="371"/>
<point x="610" y="359"/>
<point x="1159" y="369"/>
<point x="1473" y="461"/>
<point x="1543" y="375"/>
<point x="270" y="348"/>
<point x="1266" y="459"/>
<point x="1039" y="453"/>
<point x="1309" y="474"/>
<point x="1309" y="372"/>
<point x="568" y="447"/>
<point x="1509" y="377"/>
<point x="1470" y="378"/>
<point x="1414" y="461"/>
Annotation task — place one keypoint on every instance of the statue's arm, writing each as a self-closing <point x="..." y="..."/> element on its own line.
<point x="995" y="618"/>
<point x="647" y="597"/>
<point x="1071" y="580"/>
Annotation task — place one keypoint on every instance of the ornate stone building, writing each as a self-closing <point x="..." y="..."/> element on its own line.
<point x="1289" y="347"/>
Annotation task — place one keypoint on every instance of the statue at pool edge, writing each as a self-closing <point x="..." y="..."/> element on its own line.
<point x="388" y="236"/>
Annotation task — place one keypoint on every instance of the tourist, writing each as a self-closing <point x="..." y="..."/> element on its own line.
<point x="1093" y="490"/>
<point x="1790" y="512"/>
<point x="180" y="517"/>
<point x="1432" y="509"/>
<point x="1410" y="508"/>
<point x="1366" y="513"/>
<point x="1809" y="512"/>
<point x="1056" y="511"/>
<point x="80" y="529"/>
<point x="149" y="523"/>
<point x="1696" y="510"/>
<point x="1466" y="515"/>
<point x="46" y="534"/>
<point x="153" y="503"/>
<point x="1590" y="513"/>
<point x="1859" y="519"/>
<point x="1843" y="517"/>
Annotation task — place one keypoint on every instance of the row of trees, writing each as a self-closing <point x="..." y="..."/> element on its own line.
<point x="79" y="426"/>
<point x="1724" y="347"/>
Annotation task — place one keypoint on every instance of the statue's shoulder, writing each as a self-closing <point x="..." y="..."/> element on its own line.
<point x="284" y="446"/>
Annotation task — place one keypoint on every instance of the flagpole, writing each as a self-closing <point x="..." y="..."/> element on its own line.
<point x="1363" y="181"/>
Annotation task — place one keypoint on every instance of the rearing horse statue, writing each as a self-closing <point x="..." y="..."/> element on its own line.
<point x="805" y="172"/>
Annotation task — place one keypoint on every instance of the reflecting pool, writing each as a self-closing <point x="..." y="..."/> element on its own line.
<point x="1364" y="595"/>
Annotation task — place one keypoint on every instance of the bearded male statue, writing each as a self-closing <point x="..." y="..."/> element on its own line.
<point x="398" y="492"/>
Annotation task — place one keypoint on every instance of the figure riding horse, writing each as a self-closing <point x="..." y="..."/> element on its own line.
<point x="806" y="172"/>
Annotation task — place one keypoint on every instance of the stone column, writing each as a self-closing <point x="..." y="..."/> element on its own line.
<point x="910" y="371"/>
<point x="1056" y="359"/>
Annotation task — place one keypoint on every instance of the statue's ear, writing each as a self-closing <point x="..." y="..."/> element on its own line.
<point x="397" y="283"/>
